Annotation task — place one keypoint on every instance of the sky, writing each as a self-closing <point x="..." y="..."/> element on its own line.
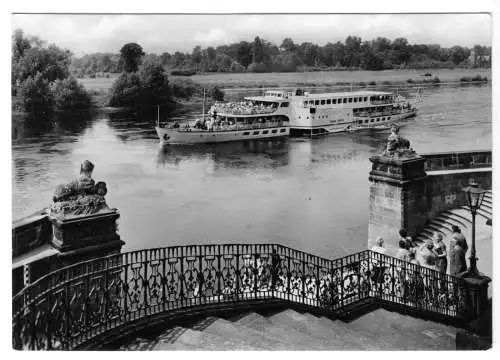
<point x="166" y="32"/>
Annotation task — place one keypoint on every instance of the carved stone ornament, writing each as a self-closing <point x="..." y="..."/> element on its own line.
<point x="397" y="146"/>
<point x="79" y="197"/>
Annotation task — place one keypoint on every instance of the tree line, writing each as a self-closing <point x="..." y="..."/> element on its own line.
<point x="41" y="79"/>
<point x="42" y="82"/>
<point x="261" y="55"/>
<point x="144" y="83"/>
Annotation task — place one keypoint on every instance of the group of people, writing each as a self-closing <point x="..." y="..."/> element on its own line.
<point x="432" y="254"/>
<point x="243" y="108"/>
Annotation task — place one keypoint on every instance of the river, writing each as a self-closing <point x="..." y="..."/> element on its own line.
<point x="310" y="194"/>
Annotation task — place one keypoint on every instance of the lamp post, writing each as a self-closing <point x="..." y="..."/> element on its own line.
<point x="474" y="196"/>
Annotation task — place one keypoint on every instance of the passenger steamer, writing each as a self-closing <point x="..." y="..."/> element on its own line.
<point x="258" y="117"/>
<point x="316" y="114"/>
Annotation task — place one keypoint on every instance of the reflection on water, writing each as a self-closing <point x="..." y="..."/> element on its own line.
<point x="241" y="154"/>
<point x="311" y="194"/>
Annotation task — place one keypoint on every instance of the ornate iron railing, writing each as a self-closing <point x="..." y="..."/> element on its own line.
<point x="73" y="305"/>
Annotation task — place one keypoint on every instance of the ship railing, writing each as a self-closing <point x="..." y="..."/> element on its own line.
<point x="93" y="302"/>
<point x="236" y="127"/>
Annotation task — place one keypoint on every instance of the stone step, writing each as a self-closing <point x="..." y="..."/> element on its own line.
<point x="460" y="215"/>
<point x="201" y="340"/>
<point x="244" y="334"/>
<point x="352" y="340"/>
<point x="443" y="224"/>
<point x="426" y="334"/>
<point x="453" y="220"/>
<point x="292" y="319"/>
<point x="295" y="339"/>
<point x="139" y="344"/>
<point x="376" y="340"/>
<point x="437" y="228"/>
<point x="400" y="340"/>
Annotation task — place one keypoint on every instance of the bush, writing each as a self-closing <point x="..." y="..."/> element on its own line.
<point x="183" y="72"/>
<point x="125" y="90"/>
<point x="70" y="95"/>
<point x="216" y="93"/>
<point x="257" y="68"/>
<point x="34" y="95"/>
<point x="183" y="88"/>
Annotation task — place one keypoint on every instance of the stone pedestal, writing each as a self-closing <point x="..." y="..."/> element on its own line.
<point x="477" y="294"/>
<point x="397" y="197"/>
<point x="85" y="236"/>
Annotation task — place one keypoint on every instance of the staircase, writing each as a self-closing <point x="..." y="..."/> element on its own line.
<point x="291" y="330"/>
<point x="461" y="217"/>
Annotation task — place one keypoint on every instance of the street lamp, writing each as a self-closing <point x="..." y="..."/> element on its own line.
<point x="474" y="196"/>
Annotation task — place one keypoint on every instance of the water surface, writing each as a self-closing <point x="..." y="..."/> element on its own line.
<point x="310" y="194"/>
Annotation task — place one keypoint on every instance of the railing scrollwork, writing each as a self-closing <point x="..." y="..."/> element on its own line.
<point x="73" y="305"/>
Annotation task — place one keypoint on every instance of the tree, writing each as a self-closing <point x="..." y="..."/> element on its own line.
<point x="288" y="45"/>
<point x="131" y="54"/>
<point x="258" y="51"/>
<point x="35" y="95"/>
<point x="197" y="56"/>
<point x="352" y="49"/>
<point x="69" y="95"/>
<point x="459" y="54"/>
<point x="244" y="53"/>
<point x="126" y="90"/>
<point x="19" y="44"/>
<point x="154" y="83"/>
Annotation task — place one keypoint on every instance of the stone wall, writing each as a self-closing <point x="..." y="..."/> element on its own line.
<point x="403" y="195"/>
<point x="444" y="191"/>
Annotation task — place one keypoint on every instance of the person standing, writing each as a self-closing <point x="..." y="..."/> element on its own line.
<point x="378" y="263"/>
<point x="459" y="238"/>
<point x="457" y="260"/>
<point x="441" y="253"/>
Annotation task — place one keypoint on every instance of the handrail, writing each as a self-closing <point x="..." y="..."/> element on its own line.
<point x="73" y="305"/>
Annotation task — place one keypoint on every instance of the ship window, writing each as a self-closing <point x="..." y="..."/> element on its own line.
<point x="360" y="99"/>
<point x="383" y="119"/>
<point x="366" y="98"/>
<point x="274" y="131"/>
<point x="316" y="102"/>
<point x="366" y="121"/>
<point x="322" y="102"/>
<point x="265" y="132"/>
<point x="360" y="121"/>
<point x="328" y="101"/>
<point x="255" y="133"/>
<point x="350" y="100"/>
<point x="282" y="130"/>
<point x="344" y="100"/>
<point x="285" y="104"/>
<point x="334" y="101"/>
<point x="389" y="118"/>
<point x="312" y="110"/>
<point x="246" y="133"/>
<point x="372" y="120"/>
<point x="305" y="103"/>
<point x="311" y="102"/>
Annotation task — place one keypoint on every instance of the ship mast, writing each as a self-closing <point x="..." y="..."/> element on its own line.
<point x="158" y="116"/>
<point x="203" y="116"/>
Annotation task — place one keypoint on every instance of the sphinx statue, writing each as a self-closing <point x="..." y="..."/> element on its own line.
<point x="398" y="146"/>
<point x="79" y="197"/>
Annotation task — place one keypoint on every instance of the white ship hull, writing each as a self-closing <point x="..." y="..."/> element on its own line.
<point x="195" y="136"/>
<point x="358" y="123"/>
